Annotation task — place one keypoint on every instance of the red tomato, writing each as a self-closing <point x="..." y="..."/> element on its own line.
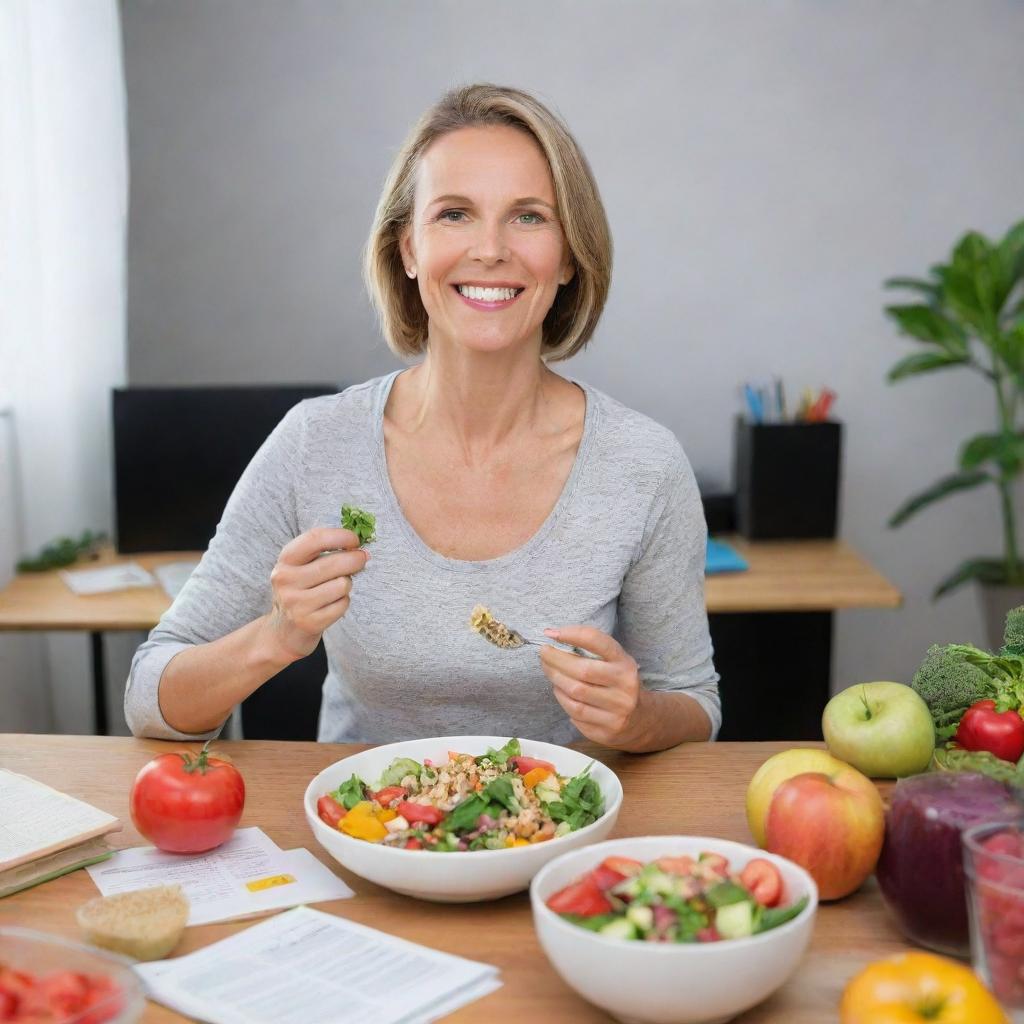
<point x="389" y="793"/>
<point x="761" y="877"/>
<point x="582" y="897"/>
<point x="413" y="844"/>
<point x="527" y="764"/>
<point x="330" y="811"/>
<point x="624" y="865"/>
<point x="606" y="877"/>
<point x="416" y="813"/>
<point x="999" y="732"/>
<point x="681" y="865"/>
<point x="186" y="804"/>
<point x="8" y="1004"/>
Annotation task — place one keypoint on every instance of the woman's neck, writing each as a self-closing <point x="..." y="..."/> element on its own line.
<point x="479" y="404"/>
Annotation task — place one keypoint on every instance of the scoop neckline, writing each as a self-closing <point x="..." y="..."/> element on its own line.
<point x="528" y="547"/>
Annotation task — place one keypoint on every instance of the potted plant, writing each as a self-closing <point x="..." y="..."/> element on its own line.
<point x="970" y="313"/>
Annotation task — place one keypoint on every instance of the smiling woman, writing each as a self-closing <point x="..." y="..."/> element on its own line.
<point x="490" y="477"/>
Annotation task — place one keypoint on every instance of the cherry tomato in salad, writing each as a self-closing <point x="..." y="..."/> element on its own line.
<point x="624" y="865"/>
<point x="582" y="897"/>
<point x="413" y="844"/>
<point x="527" y="764"/>
<point x="999" y="732"/>
<point x="761" y="877"/>
<point x="330" y="811"/>
<point x="417" y="813"/>
<point x="606" y="877"/>
<point x="682" y="865"/>
<point x="186" y="804"/>
<point x="389" y="793"/>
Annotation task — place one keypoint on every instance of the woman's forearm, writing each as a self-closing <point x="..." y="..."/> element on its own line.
<point x="201" y="685"/>
<point x="663" y="719"/>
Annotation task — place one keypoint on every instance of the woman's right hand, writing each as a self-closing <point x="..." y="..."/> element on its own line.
<point x="312" y="581"/>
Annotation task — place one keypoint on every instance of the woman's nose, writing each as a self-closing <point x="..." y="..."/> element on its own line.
<point x="489" y="245"/>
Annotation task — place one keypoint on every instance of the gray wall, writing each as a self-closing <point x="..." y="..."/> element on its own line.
<point x="764" y="167"/>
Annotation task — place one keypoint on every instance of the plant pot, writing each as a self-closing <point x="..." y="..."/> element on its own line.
<point x="996" y="600"/>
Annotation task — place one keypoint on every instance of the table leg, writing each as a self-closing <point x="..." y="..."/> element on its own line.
<point x="99" y="685"/>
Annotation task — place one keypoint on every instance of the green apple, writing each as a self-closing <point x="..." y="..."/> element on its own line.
<point x="883" y="729"/>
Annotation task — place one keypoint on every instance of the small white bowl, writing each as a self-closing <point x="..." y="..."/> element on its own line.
<point x="454" y="877"/>
<point x="678" y="983"/>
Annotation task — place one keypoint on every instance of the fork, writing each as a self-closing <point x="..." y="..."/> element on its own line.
<point x="509" y="639"/>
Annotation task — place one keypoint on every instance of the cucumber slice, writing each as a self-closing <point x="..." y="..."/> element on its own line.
<point x="735" y="921"/>
<point x="621" y="928"/>
<point x="642" y="917"/>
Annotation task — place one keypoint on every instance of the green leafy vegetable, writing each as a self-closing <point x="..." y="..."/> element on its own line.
<point x="725" y="893"/>
<point x="581" y="802"/>
<point x="362" y="524"/>
<point x="511" y="749"/>
<point x="350" y="793"/>
<point x="772" y="917"/>
<point x="398" y="769"/>
<point x="463" y="816"/>
<point x="500" y="791"/>
<point x="954" y="759"/>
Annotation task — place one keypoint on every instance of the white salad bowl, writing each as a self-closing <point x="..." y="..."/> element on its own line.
<point x="463" y="877"/>
<point x="671" y="983"/>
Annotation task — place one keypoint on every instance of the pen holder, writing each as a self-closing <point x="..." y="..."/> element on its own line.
<point x="787" y="479"/>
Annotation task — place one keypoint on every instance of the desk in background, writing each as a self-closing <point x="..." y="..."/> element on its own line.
<point x="771" y="626"/>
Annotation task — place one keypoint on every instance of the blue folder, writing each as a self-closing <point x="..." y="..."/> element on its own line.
<point x="722" y="558"/>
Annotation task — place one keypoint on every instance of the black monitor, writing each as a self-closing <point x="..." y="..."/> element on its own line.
<point x="179" y="451"/>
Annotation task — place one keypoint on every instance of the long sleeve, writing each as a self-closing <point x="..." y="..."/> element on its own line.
<point x="662" y="621"/>
<point x="231" y="585"/>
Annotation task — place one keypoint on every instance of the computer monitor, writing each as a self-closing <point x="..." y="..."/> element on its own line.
<point x="179" y="451"/>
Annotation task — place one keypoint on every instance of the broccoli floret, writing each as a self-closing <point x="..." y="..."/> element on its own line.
<point x="1013" y="636"/>
<point x="950" y="680"/>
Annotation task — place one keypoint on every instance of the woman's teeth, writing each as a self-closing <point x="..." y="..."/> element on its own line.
<point x="488" y="294"/>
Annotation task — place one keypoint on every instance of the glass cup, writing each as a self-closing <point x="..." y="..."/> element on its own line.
<point x="994" y="871"/>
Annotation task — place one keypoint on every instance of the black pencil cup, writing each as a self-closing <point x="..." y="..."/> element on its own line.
<point x="787" y="479"/>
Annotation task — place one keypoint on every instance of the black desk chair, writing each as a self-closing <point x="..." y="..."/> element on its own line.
<point x="287" y="706"/>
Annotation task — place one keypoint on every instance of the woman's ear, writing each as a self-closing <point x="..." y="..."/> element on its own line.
<point x="568" y="272"/>
<point x="405" y="249"/>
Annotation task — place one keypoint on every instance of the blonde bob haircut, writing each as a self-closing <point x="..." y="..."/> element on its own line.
<point x="577" y="307"/>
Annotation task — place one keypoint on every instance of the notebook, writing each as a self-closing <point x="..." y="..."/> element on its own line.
<point x="722" y="558"/>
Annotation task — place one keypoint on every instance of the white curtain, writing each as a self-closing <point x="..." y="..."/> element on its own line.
<point x="63" y="216"/>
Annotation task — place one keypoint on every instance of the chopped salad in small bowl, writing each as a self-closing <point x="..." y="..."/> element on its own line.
<point x="512" y="803"/>
<point x="673" y="929"/>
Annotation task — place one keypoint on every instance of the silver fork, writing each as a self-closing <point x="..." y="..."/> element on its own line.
<point x="508" y="639"/>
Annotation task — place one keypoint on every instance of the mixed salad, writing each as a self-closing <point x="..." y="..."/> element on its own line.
<point x="487" y="801"/>
<point x="677" y="899"/>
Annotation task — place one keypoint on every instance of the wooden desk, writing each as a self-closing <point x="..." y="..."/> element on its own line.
<point x="750" y="612"/>
<point x="696" y="789"/>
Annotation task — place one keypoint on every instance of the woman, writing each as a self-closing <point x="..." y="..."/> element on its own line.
<point x="493" y="481"/>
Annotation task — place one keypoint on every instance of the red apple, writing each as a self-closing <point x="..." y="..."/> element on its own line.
<point x="832" y="825"/>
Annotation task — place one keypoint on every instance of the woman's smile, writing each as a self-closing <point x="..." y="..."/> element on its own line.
<point x="488" y="298"/>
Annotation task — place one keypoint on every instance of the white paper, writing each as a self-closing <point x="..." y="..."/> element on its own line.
<point x="173" y="576"/>
<point x="123" y="576"/>
<point x="307" y="967"/>
<point x="36" y="818"/>
<point x="222" y="884"/>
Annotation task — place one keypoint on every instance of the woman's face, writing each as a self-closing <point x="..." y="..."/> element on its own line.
<point x="484" y="218"/>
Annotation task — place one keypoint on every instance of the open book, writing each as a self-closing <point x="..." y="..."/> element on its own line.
<point x="45" y="829"/>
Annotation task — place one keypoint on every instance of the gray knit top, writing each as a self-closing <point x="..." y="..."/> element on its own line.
<point x="623" y="550"/>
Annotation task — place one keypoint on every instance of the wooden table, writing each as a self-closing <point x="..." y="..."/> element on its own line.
<point x="790" y="590"/>
<point x="695" y="789"/>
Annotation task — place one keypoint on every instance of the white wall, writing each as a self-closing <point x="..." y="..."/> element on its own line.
<point x="63" y="210"/>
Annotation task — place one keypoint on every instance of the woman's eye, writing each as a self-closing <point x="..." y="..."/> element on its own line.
<point x="451" y="216"/>
<point x="537" y="218"/>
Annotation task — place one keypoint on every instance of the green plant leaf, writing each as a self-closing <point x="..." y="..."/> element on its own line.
<point x="925" y="362"/>
<point x="984" y="570"/>
<point x="1011" y="347"/>
<point x="1006" y="450"/>
<point x="929" y="288"/>
<point x="927" y="324"/>
<point x="1011" y="251"/>
<point x="947" y="485"/>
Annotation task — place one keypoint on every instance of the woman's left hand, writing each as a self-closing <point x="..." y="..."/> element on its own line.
<point x="601" y="698"/>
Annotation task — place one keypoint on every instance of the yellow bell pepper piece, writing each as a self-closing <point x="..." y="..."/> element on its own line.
<point x="362" y="823"/>
<point x="520" y="842"/>
<point x="535" y="775"/>
<point x="385" y="814"/>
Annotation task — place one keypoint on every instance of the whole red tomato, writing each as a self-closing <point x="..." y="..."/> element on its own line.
<point x="999" y="732"/>
<point x="186" y="804"/>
